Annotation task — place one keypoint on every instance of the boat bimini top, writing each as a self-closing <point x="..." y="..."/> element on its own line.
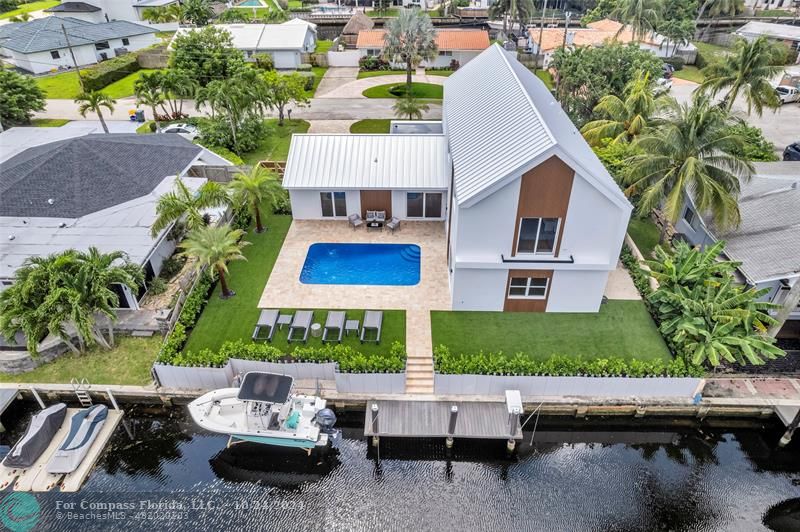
<point x="263" y="387"/>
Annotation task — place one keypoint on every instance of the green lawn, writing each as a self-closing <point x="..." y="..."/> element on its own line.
<point x="49" y="122"/>
<point x="645" y="234"/>
<point x="235" y="318"/>
<point x="427" y="91"/>
<point x="622" y="329"/>
<point x="391" y="12"/>
<point x="711" y="52"/>
<point x="128" y="363"/>
<point x="774" y="13"/>
<point x="318" y="73"/>
<point x="60" y="86"/>
<point x="123" y="88"/>
<point x="275" y="144"/>
<point x="689" y="73"/>
<point x="29" y="7"/>
<point x="323" y="46"/>
<point x="545" y="76"/>
<point x="375" y="73"/>
<point x="443" y="73"/>
<point x="371" y="125"/>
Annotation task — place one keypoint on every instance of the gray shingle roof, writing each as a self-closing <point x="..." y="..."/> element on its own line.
<point x="44" y="34"/>
<point x="72" y="7"/>
<point x="768" y="240"/>
<point x="87" y="174"/>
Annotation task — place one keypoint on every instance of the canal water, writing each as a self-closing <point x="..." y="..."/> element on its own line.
<point x="170" y="475"/>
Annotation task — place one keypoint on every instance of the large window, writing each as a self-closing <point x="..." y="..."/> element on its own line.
<point x="538" y="235"/>
<point x="424" y="204"/>
<point x="54" y="54"/>
<point x="101" y="45"/>
<point x="125" y="42"/>
<point x="528" y="287"/>
<point x="333" y="203"/>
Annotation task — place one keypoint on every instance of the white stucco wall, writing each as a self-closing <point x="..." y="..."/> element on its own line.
<point x="164" y="249"/>
<point x="478" y="289"/>
<point x="118" y="9"/>
<point x="486" y="229"/>
<point x="284" y="59"/>
<point x="576" y="290"/>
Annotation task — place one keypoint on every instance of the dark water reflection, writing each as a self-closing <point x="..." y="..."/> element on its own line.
<point x="600" y="480"/>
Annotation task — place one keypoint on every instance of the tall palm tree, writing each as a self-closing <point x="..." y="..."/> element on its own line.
<point x="747" y="72"/>
<point x="215" y="246"/>
<point x="410" y="39"/>
<point x="715" y="9"/>
<point x="410" y="107"/>
<point x="183" y="203"/>
<point x="689" y="154"/>
<point x="519" y="11"/>
<point x="253" y="189"/>
<point x="624" y="119"/>
<point x="149" y="94"/>
<point x="94" y="101"/>
<point x="641" y="16"/>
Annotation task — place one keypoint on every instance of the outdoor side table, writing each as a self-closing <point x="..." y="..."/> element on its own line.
<point x="316" y="330"/>
<point x="351" y="326"/>
<point x="284" y="319"/>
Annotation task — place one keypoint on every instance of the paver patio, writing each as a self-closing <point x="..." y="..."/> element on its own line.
<point x="284" y="289"/>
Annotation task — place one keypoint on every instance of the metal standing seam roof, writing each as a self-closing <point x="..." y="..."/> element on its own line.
<point x="768" y="29"/>
<point x="499" y="117"/>
<point x="367" y="162"/>
<point x="40" y="35"/>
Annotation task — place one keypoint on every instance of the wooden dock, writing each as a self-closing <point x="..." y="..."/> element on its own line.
<point x="434" y="419"/>
<point x="37" y="479"/>
<point x="7" y="397"/>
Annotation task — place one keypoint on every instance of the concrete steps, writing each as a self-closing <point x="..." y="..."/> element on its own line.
<point x="419" y="363"/>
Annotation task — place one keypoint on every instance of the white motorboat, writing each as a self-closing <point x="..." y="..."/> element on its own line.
<point x="264" y="410"/>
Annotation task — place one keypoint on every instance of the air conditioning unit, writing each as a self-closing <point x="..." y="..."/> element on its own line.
<point x="103" y="56"/>
<point x="120" y="51"/>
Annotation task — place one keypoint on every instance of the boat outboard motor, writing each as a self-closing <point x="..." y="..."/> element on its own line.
<point x="326" y="419"/>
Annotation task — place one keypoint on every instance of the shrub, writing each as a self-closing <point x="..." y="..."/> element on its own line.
<point x="372" y="63"/>
<point x="7" y="5"/>
<point x="192" y="307"/>
<point x="308" y="80"/>
<point x="109" y="71"/>
<point x="226" y="154"/>
<point x="304" y="67"/>
<point x="217" y="132"/>
<point x="676" y="62"/>
<point x="157" y="286"/>
<point x="171" y="266"/>
<point x="242" y="219"/>
<point x="454" y="65"/>
<point x="755" y="147"/>
<point x="264" y="62"/>
<point x="283" y="204"/>
<point x="153" y="127"/>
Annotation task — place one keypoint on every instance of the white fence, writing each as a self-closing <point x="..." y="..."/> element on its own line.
<point x="198" y="378"/>
<point x="348" y="58"/>
<point x="606" y="387"/>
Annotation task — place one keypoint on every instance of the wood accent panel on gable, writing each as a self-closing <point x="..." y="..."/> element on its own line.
<point x="528" y="305"/>
<point x="544" y="192"/>
<point x="376" y="200"/>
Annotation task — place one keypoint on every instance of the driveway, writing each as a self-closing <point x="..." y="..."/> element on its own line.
<point x="354" y="89"/>
<point x="779" y="127"/>
<point x="335" y="77"/>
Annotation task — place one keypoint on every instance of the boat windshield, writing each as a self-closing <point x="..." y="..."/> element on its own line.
<point x="265" y="387"/>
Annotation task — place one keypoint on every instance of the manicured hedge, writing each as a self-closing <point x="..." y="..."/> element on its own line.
<point x="557" y="365"/>
<point x="109" y="71"/>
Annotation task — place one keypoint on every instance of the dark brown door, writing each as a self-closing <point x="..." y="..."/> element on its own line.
<point x="376" y="200"/>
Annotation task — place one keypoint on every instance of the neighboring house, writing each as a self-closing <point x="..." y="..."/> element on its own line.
<point x="286" y="42"/>
<point x="90" y="190"/>
<point x="767" y="242"/>
<point x="453" y="45"/>
<point x="597" y="34"/>
<point x="782" y="33"/>
<point x="107" y="10"/>
<point x="40" y="46"/>
<point x="534" y="221"/>
<point x="357" y="23"/>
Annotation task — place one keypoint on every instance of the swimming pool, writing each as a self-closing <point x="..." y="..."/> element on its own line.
<point x="251" y="3"/>
<point x="372" y="264"/>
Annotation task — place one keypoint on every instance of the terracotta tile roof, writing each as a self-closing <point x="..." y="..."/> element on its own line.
<point x="605" y="25"/>
<point x="594" y="35"/>
<point x="445" y="39"/>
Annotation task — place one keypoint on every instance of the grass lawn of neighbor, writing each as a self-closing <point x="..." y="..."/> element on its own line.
<point x="235" y="318"/>
<point x="622" y="329"/>
<point x="49" y="122"/>
<point x="323" y="46"/>
<point x="427" y="91"/>
<point x="371" y="125"/>
<point x="123" y="88"/>
<point x="391" y="12"/>
<point x="29" y="7"/>
<point x="547" y="78"/>
<point x="645" y="234"/>
<point x="319" y="72"/>
<point x="60" y="86"/>
<point x="689" y="73"/>
<point x="128" y="363"/>
<point x="274" y="146"/>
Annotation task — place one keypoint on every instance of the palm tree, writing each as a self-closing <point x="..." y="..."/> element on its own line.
<point x="253" y="189"/>
<point x="689" y="153"/>
<point x="94" y="101"/>
<point x="410" y="107"/>
<point x="717" y="8"/>
<point x="747" y="72"/>
<point x="184" y="203"/>
<point x="149" y="94"/>
<point x="520" y="11"/>
<point x="410" y="39"/>
<point x="215" y="246"/>
<point x="624" y="119"/>
<point x="641" y="16"/>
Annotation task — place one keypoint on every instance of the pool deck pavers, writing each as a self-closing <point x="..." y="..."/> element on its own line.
<point x="284" y="289"/>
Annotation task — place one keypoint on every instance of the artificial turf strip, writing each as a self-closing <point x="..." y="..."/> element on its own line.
<point x="621" y="329"/>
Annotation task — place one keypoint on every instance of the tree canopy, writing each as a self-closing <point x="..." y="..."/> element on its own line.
<point x="20" y="96"/>
<point x="206" y="54"/>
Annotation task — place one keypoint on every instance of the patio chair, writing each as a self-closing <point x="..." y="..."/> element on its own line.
<point x="393" y="224"/>
<point x="267" y="318"/>
<point x="380" y="216"/>
<point x="334" y="321"/>
<point x="355" y="220"/>
<point x="373" y="320"/>
<point x="302" y="322"/>
<point x="372" y="216"/>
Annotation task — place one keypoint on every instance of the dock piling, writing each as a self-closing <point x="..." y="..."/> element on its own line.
<point x="451" y="428"/>
<point x="38" y="399"/>
<point x="787" y="436"/>
<point x="375" y="437"/>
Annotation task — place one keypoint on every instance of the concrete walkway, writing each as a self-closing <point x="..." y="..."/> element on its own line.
<point x="330" y="126"/>
<point x="335" y="77"/>
<point x="354" y="89"/>
<point x="419" y="352"/>
<point x="620" y="285"/>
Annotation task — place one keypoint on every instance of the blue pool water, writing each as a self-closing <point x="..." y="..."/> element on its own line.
<point x="373" y="264"/>
<point x="251" y="3"/>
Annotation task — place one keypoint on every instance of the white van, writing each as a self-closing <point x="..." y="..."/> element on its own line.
<point x="787" y="93"/>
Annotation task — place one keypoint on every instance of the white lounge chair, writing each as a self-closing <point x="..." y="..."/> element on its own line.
<point x="267" y="318"/>
<point x="302" y="322"/>
<point x="373" y="321"/>
<point x="334" y="321"/>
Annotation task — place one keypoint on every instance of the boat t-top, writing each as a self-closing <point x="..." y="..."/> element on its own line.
<point x="264" y="410"/>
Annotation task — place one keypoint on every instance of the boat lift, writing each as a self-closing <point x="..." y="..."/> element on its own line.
<point x="36" y="478"/>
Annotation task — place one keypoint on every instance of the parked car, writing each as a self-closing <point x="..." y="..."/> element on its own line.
<point x="792" y="152"/>
<point x="185" y="130"/>
<point x="668" y="70"/>
<point x="787" y="93"/>
<point x="662" y="86"/>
